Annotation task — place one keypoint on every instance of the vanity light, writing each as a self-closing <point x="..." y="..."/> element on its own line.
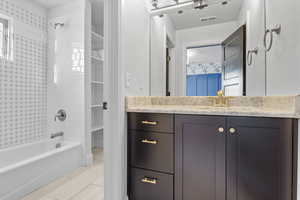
<point x="200" y="4"/>
<point x="154" y="3"/>
<point x="205" y="19"/>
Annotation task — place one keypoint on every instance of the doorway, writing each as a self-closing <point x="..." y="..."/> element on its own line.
<point x="204" y="70"/>
<point x="212" y="68"/>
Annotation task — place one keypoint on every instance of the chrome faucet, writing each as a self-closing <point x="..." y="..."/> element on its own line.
<point x="221" y="100"/>
<point x="61" y="115"/>
<point x="55" y="135"/>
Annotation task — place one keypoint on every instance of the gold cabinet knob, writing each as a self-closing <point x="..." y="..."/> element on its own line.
<point x="221" y="130"/>
<point x="232" y="130"/>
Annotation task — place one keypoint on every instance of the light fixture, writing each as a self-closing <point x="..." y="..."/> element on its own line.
<point x="206" y="19"/>
<point x="174" y="6"/>
<point x="154" y="3"/>
<point x="200" y="4"/>
<point x="224" y="2"/>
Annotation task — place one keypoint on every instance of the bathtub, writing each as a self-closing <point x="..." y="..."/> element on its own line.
<point x="25" y="168"/>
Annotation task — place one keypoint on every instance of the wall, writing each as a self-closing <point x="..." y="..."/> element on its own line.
<point x="213" y="34"/>
<point x="162" y="28"/>
<point x="252" y="14"/>
<point x="23" y="91"/>
<point x="136" y="47"/>
<point x="283" y="59"/>
<point x="66" y="70"/>
<point x="205" y="60"/>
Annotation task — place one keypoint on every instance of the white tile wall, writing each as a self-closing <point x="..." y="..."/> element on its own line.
<point x="24" y="15"/>
<point x="23" y="82"/>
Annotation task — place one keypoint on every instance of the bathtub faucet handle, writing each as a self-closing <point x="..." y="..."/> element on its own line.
<point x="61" y="115"/>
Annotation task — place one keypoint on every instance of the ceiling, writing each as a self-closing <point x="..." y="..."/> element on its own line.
<point x="191" y="17"/>
<point x="55" y="3"/>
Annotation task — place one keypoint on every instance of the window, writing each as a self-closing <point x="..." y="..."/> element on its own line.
<point x="5" y="38"/>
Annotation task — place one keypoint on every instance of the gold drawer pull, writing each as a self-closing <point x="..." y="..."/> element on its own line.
<point x="149" y="123"/>
<point x="149" y="180"/>
<point x="149" y="141"/>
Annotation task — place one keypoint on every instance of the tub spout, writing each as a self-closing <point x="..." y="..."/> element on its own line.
<point x="55" y="135"/>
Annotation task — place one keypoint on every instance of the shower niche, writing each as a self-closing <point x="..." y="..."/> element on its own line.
<point x="94" y="83"/>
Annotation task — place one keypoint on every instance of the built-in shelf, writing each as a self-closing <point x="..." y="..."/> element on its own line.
<point x="96" y="106"/>
<point x="95" y="77"/>
<point x="97" y="58"/>
<point x="97" y="35"/>
<point x="97" y="129"/>
<point x="98" y="82"/>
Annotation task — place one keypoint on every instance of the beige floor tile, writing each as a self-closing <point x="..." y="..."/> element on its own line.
<point x="99" y="181"/>
<point x="86" y="180"/>
<point x="91" y="192"/>
<point x="46" y="198"/>
<point x="74" y="186"/>
<point x="42" y="192"/>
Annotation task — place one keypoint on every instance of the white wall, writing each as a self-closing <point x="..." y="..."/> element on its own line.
<point x="252" y="14"/>
<point x="65" y="73"/>
<point x="136" y="47"/>
<point x="161" y="29"/>
<point x="283" y="59"/>
<point x="213" y="34"/>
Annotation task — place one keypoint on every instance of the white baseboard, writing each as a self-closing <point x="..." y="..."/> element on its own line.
<point x="89" y="159"/>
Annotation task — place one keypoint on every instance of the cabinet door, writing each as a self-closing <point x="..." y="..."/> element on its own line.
<point x="283" y="59"/>
<point x="200" y="158"/>
<point x="259" y="159"/>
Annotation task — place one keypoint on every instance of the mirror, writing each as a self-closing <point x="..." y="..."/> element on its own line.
<point x="198" y="47"/>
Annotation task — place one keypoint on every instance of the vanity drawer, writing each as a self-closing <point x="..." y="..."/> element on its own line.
<point x="151" y="122"/>
<point x="153" y="151"/>
<point x="148" y="185"/>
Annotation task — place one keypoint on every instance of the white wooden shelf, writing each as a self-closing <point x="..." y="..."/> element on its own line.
<point x="97" y="58"/>
<point x="96" y="106"/>
<point x="98" y="82"/>
<point x="97" y="35"/>
<point x="97" y="129"/>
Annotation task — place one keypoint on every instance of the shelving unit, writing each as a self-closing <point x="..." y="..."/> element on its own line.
<point x="96" y="82"/>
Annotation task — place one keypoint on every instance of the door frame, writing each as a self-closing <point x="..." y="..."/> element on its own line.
<point x="115" y="141"/>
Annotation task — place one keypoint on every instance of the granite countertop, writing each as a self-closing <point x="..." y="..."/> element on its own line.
<point x="273" y="106"/>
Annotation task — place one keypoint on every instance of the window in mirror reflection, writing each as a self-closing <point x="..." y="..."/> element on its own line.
<point x="204" y="70"/>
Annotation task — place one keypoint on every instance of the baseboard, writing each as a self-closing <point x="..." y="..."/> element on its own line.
<point x="89" y="159"/>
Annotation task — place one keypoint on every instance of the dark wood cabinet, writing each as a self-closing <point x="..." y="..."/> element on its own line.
<point x="150" y="185"/>
<point x="259" y="158"/>
<point x="154" y="151"/>
<point x="200" y="157"/>
<point x="212" y="158"/>
<point x="151" y="156"/>
<point x="151" y="122"/>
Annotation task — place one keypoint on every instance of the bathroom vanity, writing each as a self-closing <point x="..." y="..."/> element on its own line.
<point x="185" y="148"/>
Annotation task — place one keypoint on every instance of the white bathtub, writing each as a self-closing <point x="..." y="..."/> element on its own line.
<point x="28" y="167"/>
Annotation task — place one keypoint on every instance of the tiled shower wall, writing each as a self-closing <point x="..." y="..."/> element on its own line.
<point x="23" y="81"/>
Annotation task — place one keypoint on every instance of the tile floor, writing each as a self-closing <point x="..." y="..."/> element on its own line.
<point x="82" y="184"/>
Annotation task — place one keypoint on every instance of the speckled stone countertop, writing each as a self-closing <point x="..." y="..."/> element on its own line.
<point x="271" y="106"/>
